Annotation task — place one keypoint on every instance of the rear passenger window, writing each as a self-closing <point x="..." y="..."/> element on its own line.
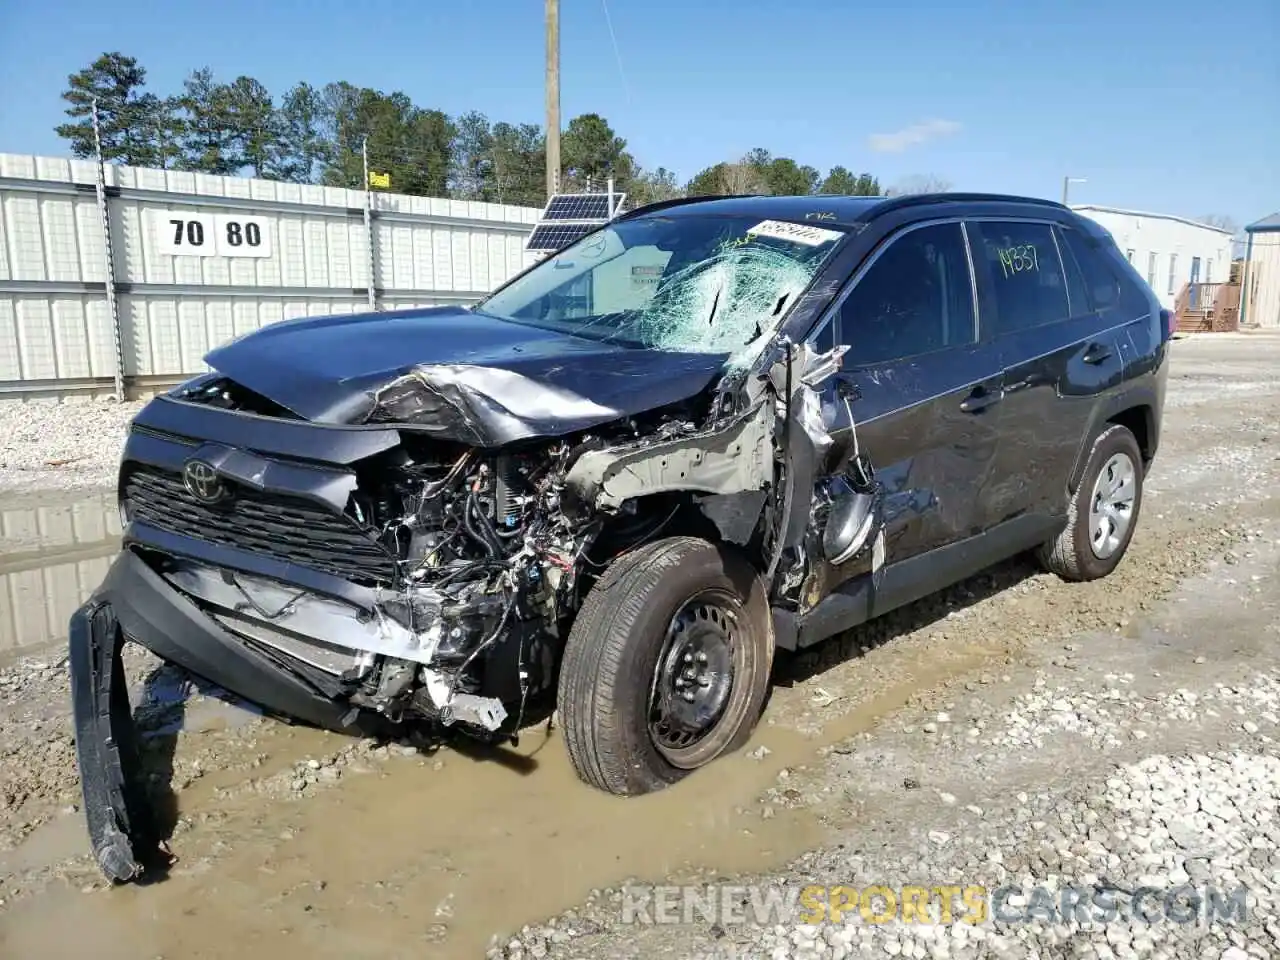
<point x="1113" y="283"/>
<point x="1028" y="284"/>
<point x="1101" y="281"/>
<point x="914" y="299"/>
<point x="1077" y="286"/>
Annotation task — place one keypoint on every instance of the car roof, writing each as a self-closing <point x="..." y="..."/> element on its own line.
<point x="820" y="208"/>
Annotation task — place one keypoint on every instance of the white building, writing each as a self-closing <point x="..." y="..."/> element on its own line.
<point x="1261" y="306"/>
<point x="1168" y="251"/>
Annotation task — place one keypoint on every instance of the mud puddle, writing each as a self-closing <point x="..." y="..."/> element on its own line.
<point x="430" y="856"/>
<point x="54" y="550"/>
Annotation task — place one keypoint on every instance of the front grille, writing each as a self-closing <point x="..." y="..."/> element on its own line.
<point x="286" y="528"/>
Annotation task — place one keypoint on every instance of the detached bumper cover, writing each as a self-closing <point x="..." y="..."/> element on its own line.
<point x="122" y="827"/>
<point x="135" y="602"/>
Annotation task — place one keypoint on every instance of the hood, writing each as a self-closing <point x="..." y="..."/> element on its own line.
<point x="456" y="373"/>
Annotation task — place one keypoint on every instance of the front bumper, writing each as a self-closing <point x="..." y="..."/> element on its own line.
<point x="122" y="826"/>
<point x="151" y="612"/>
<point x="134" y="602"/>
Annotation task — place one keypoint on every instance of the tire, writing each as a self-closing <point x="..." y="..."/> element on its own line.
<point x="609" y="670"/>
<point x="1073" y="554"/>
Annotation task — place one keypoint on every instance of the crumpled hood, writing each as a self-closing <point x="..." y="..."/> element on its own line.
<point x="488" y="381"/>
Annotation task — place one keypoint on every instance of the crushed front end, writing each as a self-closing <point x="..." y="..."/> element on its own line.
<point x="362" y="543"/>
<point x="356" y="577"/>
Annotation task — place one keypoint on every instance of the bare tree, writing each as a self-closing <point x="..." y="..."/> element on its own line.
<point x="741" y="177"/>
<point x="920" y="183"/>
<point x="1221" y="221"/>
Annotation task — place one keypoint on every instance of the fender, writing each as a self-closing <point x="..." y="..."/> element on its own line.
<point x="1142" y="396"/>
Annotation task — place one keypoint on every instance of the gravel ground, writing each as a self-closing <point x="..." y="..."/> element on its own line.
<point x="1014" y="731"/>
<point x="1086" y="770"/>
<point x="68" y="445"/>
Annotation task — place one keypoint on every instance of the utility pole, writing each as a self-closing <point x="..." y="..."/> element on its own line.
<point x="104" y="214"/>
<point x="553" y="96"/>
<point x="368" y="224"/>
<point x="1066" y="186"/>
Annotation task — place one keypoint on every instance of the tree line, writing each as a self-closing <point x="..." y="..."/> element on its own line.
<point x="317" y="134"/>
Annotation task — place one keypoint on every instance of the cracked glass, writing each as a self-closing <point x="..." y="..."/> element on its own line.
<point x="685" y="283"/>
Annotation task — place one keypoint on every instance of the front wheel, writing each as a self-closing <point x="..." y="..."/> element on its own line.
<point x="667" y="665"/>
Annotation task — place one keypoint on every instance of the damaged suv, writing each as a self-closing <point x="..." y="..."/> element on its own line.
<point x="710" y="428"/>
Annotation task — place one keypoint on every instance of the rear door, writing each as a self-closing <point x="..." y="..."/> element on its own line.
<point x="928" y="414"/>
<point x="1124" y="311"/>
<point x="1058" y="356"/>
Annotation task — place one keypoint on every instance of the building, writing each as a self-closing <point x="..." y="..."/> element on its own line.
<point x="1261" y="307"/>
<point x="1170" y="252"/>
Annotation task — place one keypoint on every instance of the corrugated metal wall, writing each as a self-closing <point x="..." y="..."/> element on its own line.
<point x="1262" y="282"/>
<point x="177" y="301"/>
<point x="52" y="556"/>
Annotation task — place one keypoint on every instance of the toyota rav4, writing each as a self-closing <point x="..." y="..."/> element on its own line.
<point x="708" y="429"/>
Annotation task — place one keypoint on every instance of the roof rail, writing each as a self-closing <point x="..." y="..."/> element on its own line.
<point x="893" y="203"/>
<point x="885" y="203"/>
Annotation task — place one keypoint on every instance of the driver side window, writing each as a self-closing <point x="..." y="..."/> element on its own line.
<point x="914" y="299"/>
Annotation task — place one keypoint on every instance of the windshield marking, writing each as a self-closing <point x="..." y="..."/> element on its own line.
<point x="796" y="232"/>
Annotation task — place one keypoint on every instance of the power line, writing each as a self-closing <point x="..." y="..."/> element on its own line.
<point x="617" y="54"/>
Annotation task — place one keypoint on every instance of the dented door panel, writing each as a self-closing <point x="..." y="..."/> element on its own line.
<point x="934" y="458"/>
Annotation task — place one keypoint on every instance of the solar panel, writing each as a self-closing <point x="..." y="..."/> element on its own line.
<point x="578" y="206"/>
<point x="570" y="216"/>
<point x="556" y="236"/>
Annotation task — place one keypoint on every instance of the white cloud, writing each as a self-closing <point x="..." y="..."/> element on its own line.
<point x="912" y="136"/>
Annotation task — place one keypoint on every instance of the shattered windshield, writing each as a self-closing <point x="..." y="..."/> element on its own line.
<point x="689" y="283"/>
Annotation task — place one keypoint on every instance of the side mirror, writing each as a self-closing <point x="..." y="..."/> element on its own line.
<point x="854" y="516"/>
<point x="850" y="524"/>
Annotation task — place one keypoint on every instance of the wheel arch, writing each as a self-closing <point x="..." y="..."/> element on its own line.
<point x="1135" y="410"/>
<point x="734" y="519"/>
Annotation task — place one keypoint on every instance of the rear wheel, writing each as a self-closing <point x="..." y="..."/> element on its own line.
<point x="667" y="665"/>
<point x="1103" y="512"/>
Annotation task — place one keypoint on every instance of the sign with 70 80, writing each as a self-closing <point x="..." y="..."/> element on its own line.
<point x="183" y="234"/>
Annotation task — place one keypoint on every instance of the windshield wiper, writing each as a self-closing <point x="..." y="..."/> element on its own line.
<point x="711" y="317"/>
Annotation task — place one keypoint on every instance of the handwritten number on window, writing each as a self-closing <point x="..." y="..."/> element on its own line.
<point x="1019" y="259"/>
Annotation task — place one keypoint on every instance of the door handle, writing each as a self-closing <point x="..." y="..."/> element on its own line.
<point x="980" y="399"/>
<point x="1027" y="382"/>
<point x="1096" y="353"/>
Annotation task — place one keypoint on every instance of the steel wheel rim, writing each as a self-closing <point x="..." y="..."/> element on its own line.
<point x="693" y="678"/>
<point x="1115" y="494"/>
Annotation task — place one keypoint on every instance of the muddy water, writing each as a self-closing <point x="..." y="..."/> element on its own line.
<point x="415" y="859"/>
<point x="54" y="550"/>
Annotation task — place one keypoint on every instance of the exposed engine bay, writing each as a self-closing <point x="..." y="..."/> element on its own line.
<point x="492" y="550"/>
<point x="390" y="521"/>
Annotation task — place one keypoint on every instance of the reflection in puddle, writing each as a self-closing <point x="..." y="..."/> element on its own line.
<point x="168" y="703"/>
<point x="420" y="857"/>
<point x="53" y="553"/>
<point x="423" y="858"/>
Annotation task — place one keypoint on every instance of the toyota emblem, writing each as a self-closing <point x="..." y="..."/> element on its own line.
<point x="202" y="482"/>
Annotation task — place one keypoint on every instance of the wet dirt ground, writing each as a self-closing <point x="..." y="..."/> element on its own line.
<point x="292" y="840"/>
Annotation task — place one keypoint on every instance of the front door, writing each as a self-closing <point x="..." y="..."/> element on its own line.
<point x="929" y="390"/>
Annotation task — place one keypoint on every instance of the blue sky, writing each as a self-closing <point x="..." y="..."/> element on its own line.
<point x="1164" y="105"/>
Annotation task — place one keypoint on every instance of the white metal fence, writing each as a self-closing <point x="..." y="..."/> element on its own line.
<point x="200" y="259"/>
